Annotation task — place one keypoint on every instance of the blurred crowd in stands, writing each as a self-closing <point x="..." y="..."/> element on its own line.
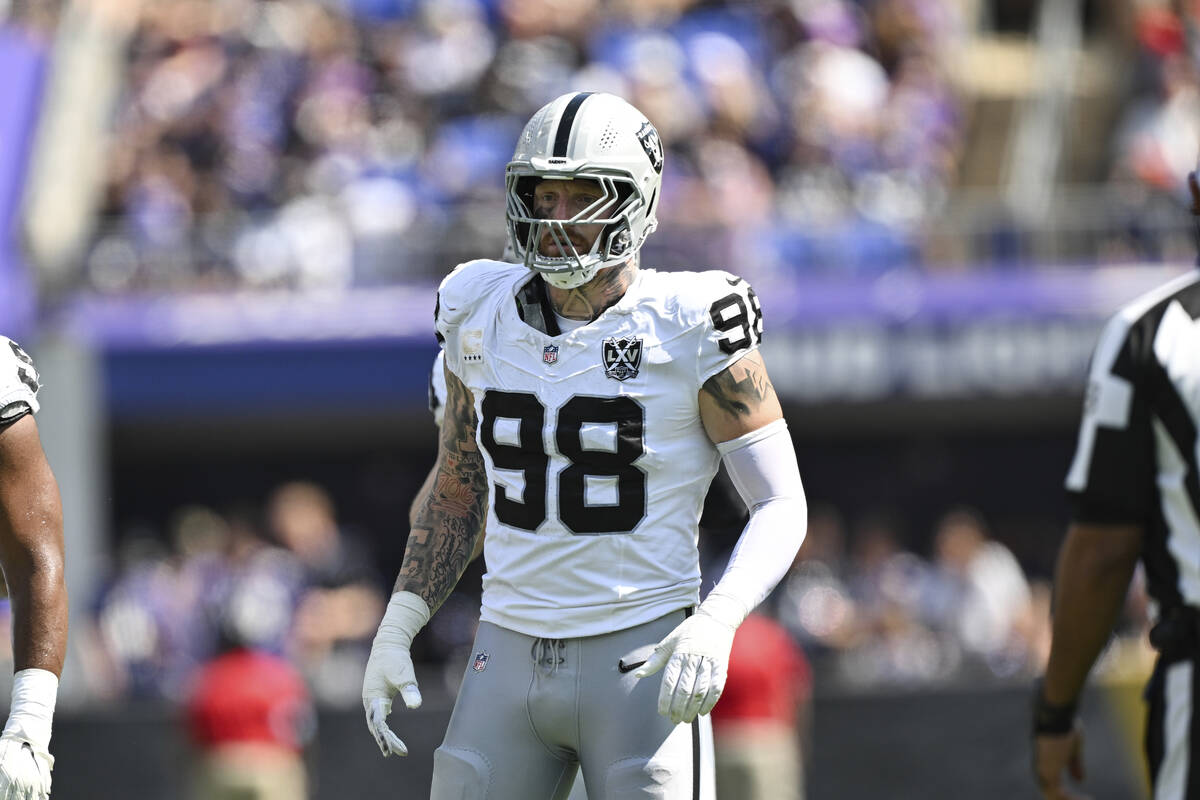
<point x="289" y="581"/>
<point x="296" y="144"/>
<point x="318" y="145"/>
<point x="312" y="145"/>
<point x="285" y="579"/>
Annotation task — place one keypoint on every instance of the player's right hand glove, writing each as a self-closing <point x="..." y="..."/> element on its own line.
<point x="696" y="657"/>
<point x="25" y="760"/>
<point x="24" y="770"/>
<point x="390" y="668"/>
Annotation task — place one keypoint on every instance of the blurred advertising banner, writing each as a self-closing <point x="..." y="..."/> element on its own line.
<point x="897" y="336"/>
<point x="22" y="62"/>
<point x="961" y="335"/>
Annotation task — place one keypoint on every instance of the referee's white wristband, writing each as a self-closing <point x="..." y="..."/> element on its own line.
<point x="31" y="714"/>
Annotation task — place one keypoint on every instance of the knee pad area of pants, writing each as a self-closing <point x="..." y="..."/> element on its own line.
<point x="643" y="779"/>
<point x="460" y="774"/>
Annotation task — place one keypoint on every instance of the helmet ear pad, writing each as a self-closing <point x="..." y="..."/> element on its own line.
<point x="611" y="240"/>
<point x="524" y="191"/>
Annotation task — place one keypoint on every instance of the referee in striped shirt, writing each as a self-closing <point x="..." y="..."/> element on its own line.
<point x="1136" y="491"/>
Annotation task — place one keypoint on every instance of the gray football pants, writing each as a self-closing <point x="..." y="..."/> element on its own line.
<point x="531" y="712"/>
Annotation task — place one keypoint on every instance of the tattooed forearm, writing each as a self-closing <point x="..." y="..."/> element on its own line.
<point x="740" y="389"/>
<point x="452" y="514"/>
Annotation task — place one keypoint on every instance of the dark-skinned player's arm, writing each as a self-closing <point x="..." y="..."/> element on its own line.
<point x="1101" y="549"/>
<point x="443" y="537"/>
<point x="742" y="416"/>
<point x="1094" y="568"/>
<point x="31" y="553"/>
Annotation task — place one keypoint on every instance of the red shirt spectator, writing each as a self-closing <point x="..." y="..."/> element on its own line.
<point x="248" y="696"/>
<point x="769" y="677"/>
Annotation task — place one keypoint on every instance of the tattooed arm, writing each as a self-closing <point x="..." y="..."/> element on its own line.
<point x="451" y="516"/>
<point x="447" y="526"/>
<point x="738" y="400"/>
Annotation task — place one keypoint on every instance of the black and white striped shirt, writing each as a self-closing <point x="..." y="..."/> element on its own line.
<point x="1136" y="459"/>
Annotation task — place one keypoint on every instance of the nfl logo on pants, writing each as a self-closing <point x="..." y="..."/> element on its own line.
<point x="481" y="659"/>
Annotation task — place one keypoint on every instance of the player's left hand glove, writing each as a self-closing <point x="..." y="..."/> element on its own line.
<point x="696" y="657"/>
<point x="390" y="668"/>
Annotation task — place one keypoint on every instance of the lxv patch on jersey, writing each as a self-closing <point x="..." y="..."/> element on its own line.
<point x="622" y="357"/>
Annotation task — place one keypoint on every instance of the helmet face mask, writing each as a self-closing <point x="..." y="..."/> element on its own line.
<point x="582" y="136"/>
<point x="564" y="263"/>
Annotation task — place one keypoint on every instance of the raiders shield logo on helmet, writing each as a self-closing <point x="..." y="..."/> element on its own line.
<point x="648" y="136"/>
<point x="622" y="357"/>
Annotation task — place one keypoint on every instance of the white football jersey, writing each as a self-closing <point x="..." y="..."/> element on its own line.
<point x="596" y="457"/>
<point x="19" y="381"/>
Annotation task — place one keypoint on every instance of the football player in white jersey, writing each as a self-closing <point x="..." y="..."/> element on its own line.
<point x="437" y="406"/>
<point x="31" y="553"/>
<point x="589" y="402"/>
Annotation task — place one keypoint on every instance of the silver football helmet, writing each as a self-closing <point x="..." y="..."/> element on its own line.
<point x="585" y="135"/>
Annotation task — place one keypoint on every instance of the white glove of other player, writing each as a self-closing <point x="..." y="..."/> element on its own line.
<point x="390" y="668"/>
<point x="24" y="772"/>
<point x="696" y="657"/>
<point x="25" y="760"/>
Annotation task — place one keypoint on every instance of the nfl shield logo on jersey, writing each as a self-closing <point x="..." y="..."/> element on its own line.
<point x="622" y="357"/>
<point x="481" y="659"/>
<point x="550" y="353"/>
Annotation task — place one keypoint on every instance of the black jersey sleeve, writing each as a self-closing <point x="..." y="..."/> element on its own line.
<point x="1112" y="476"/>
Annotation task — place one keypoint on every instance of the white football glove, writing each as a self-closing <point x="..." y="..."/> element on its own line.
<point x="24" y="770"/>
<point x="25" y="760"/>
<point x="390" y="668"/>
<point x="696" y="657"/>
